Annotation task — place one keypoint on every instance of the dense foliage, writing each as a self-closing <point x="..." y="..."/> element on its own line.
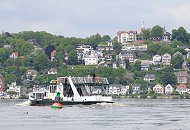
<point x="32" y="46"/>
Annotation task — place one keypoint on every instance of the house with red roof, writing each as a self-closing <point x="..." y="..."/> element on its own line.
<point x="14" y="55"/>
<point x="182" y="88"/>
<point x="127" y="36"/>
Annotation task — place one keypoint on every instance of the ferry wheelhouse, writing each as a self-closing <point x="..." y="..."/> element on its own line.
<point x="73" y="90"/>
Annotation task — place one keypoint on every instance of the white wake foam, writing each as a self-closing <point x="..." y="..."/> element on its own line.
<point x="26" y="103"/>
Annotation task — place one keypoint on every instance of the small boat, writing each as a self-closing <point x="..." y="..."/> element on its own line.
<point x="73" y="91"/>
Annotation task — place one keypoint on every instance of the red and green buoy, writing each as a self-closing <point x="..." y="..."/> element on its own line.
<point x="56" y="104"/>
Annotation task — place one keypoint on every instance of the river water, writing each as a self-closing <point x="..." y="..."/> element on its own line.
<point x="125" y="114"/>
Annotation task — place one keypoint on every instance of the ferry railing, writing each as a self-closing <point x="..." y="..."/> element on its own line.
<point x="89" y="80"/>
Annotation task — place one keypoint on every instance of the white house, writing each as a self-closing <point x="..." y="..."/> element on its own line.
<point x="136" y="88"/>
<point x="149" y="77"/>
<point x="18" y="89"/>
<point x="169" y="89"/>
<point x="113" y="89"/>
<point x="131" y="47"/>
<point x="124" y="90"/>
<point x="130" y="55"/>
<point x="90" y="59"/>
<point x="145" y="64"/>
<point x="117" y="89"/>
<point x="52" y="71"/>
<point x="107" y="47"/>
<point x="158" y="89"/>
<point x="166" y="59"/>
<point x="84" y="49"/>
<point x="156" y="59"/>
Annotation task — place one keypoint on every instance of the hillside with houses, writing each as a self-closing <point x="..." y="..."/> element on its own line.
<point x="152" y="61"/>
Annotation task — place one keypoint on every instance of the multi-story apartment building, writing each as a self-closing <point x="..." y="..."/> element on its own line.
<point x="126" y="36"/>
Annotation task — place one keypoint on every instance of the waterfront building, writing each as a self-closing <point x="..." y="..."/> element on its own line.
<point x="158" y="89"/>
<point x="136" y="89"/>
<point x="181" y="77"/>
<point x="169" y="89"/>
<point x="182" y="88"/>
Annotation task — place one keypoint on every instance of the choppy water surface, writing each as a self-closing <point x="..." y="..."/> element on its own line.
<point x="125" y="114"/>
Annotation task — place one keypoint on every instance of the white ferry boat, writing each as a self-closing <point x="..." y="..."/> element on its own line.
<point x="73" y="90"/>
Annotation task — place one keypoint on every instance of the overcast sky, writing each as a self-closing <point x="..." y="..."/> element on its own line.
<point x="83" y="18"/>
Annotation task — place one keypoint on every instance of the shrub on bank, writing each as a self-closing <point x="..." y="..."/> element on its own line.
<point x="144" y="96"/>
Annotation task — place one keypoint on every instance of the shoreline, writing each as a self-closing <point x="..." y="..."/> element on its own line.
<point x="152" y="97"/>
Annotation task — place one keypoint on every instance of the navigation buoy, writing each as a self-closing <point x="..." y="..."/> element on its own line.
<point x="56" y="105"/>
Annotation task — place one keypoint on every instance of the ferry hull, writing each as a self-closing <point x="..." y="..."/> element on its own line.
<point x="46" y="102"/>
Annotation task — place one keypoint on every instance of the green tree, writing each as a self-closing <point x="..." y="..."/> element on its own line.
<point x="166" y="76"/>
<point x="27" y="61"/>
<point x="9" y="78"/>
<point x="93" y="40"/>
<point x="157" y="32"/>
<point x="117" y="46"/>
<point x="177" y="61"/>
<point x="8" y="62"/>
<point x="152" y="49"/>
<point x="4" y="55"/>
<point x="17" y="64"/>
<point x="72" y="57"/>
<point x="188" y="62"/>
<point x="181" y="35"/>
<point x="41" y="62"/>
<point x="137" y="65"/>
<point x="106" y="38"/>
<point x="146" y="34"/>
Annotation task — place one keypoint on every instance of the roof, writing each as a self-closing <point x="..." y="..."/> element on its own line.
<point x="149" y="76"/>
<point x="159" y="85"/>
<point x="182" y="86"/>
<point x="181" y="74"/>
<point x="52" y="70"/>
<point x="31" y="72"/>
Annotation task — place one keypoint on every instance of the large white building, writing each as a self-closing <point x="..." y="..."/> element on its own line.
<point x="156" y="59"/>
<point x="84" y="49"/>
<point x="91" y="59"/>
<point x="126" y="36"/>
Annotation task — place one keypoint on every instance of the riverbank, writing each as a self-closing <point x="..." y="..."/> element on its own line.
<point x="185" y="96"/>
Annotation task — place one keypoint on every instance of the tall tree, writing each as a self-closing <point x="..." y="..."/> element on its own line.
<point x="157" y="32"/>
<point x="166" y="76"/>
<point x="93" y="40"/>
<point x="41" y="62"/>
<point x="72" y="57"/>
<point x="106" y="38"/>
<point x="177" y="61"/>
<point x="181" y="35"/>
<point x="146" y="34"/>
<point x="18" y="64"/>
<point x="137" y="65"/>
